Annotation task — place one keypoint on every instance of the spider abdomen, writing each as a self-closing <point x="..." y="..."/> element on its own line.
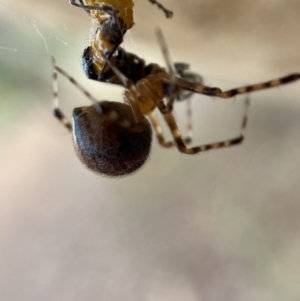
<point x="110" y="142"/>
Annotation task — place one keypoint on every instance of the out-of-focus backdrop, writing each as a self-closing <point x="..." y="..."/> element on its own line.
<point x="223" y="225"/>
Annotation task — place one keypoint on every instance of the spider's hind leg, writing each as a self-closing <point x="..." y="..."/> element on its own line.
<point x="159" y="133"/>
<point x="196" y="149"/>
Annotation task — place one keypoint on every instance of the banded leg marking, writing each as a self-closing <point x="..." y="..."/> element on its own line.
<point x="56" y="110"/>
<point x="193" y="150"/>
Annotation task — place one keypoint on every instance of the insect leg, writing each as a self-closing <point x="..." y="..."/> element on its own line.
<point x="105" y="7"/>
<point x="168" y="13"/>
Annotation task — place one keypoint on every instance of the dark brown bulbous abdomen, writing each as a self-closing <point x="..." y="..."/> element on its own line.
<point x="110" y="142"/>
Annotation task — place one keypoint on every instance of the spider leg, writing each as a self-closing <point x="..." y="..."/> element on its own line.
<point x="182" y="70"/>
<point x="260" y="86"/>
<point x="196" y="149"/>
<point x="108" y="57"/>
<point x="174" y="91"/>
<point x="56" y="110"/>
<point x="132" y="96"/>
<point x="159" y="133"/>
<point x="189" y="114"/>
<point x="172" y="87"/>
<point x="217" y="92"/>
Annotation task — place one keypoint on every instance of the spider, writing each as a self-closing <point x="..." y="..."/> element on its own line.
<point x="114" y="139"/>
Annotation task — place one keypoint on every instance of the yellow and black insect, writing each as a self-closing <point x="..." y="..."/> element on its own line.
<point x="131" y="65"/>
<point x="95" y="56"/>
<point x="123" y="8"/>
<point x="114" y="18"/>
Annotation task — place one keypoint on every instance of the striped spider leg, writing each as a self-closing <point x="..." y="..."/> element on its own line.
<point x="108" y="138"/>
<point x="149" y="94"/>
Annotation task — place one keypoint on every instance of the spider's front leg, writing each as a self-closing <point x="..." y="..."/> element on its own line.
<point x="182" y="70"/>
<point x="260" y="86"/>
<point x="217" y="92"/>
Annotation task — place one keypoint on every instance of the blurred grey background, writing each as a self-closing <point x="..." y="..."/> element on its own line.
<point x="216" y="226"/>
